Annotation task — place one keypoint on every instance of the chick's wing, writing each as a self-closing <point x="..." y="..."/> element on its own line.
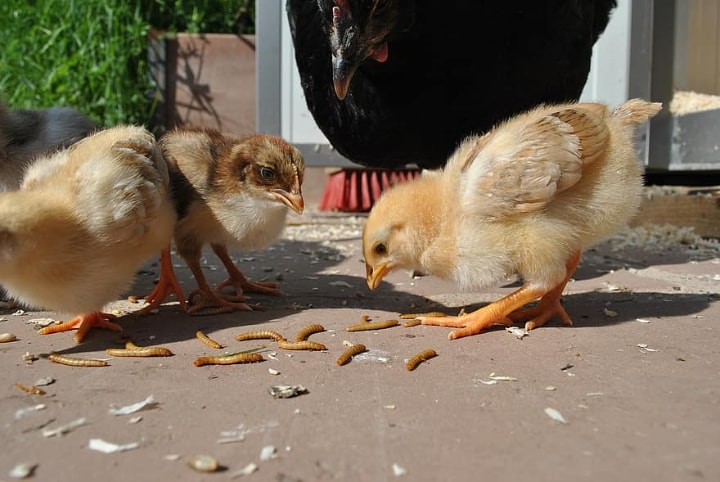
<point x="119" y="181"/>
<point x="520" y="166"/>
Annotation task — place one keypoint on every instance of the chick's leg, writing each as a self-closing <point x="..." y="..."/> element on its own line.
<point x="83" y="324"/>
<point x="487" y="316"/>
<point x="549" y="304"/>
<point x="166" y="285"/>
<point x="507" y="310"/>
<point x="205" y="301"/>
<point x="238" y="280"/>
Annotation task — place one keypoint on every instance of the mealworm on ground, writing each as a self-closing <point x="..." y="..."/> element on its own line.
<point x="145" y="351"/>
<point x="32" y="389"/>
<point x="350" y="352"/>
<point x="372" y="325"/>
<point x="413" y="362"/>
<point x="430" y="314"/>
<point x="411" y="323"/>
<point x="260" y="335"/>
<point x="72" y="361"/>
<point x="300" y="345"/>
<point x="309" y="330"/>
<point x="229" y="359"/>
<point x="207" y="340"/>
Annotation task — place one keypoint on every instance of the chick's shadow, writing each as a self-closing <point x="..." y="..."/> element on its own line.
<point x="315" y="277"/>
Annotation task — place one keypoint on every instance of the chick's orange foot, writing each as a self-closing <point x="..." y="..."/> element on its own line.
<point x="83" y="324"/>
<point x="537" y="316"/>
<point x="245" y="285"/>
<point x="509" y="309"/>
<point x="166" y="285"/>
<point x="203" y="302"/>
<point x="238" y="280"/>
<point x="549" y="304"/>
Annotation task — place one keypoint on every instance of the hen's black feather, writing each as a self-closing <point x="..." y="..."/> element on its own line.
<point x="454" y="68"/>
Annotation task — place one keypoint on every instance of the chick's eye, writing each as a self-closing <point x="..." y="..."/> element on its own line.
<point x="267" y="174"/>
<point x="380" y="249"/>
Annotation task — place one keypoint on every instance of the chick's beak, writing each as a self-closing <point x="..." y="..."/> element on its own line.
<point x="375" y="274"/>
<point x="292" y="200"/>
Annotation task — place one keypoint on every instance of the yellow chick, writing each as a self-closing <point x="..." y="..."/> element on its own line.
<point x="83" y="221"/>
<point x="525" y="198"/>
<point x="230" y="192"/>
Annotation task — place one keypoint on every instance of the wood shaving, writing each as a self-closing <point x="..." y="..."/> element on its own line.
<point x="688" y="102"/>
<point x="659" y="238"/>
<point x="43" y="382"/>
<point x="398" y="471"/>
<point x="609" y="313"/>
<point x="21" y="412"/>
<point x="287" y="391"/>
<point x="105" y="447"/>
<point x="63" y="429"/>
<point x="149" y="402"/>
<point x="500" y="378"/>
<point x="555" y="415"/>
<point x="42" y="322"/>
<point x="268" y="452"/>
<point x="520" y="333"/>
<point x="22" y="471"/>
<point x="247" y="470"/>
<point x="343" y="284"/>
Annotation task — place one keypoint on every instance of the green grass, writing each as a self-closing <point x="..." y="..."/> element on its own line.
<point x="92" y="54"/>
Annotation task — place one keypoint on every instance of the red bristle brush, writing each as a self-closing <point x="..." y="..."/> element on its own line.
<point x="356" y="190"/>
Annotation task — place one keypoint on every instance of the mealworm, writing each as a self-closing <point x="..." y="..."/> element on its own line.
<point x="431" y="314"/>
<point x="300" y="345"/>
<point x="207" y="340"/>
<point x="260" y="335"/>
<point x="350" y="352"/>
<point x="411" y="323"/>
<point x="372" y="325"/>
<point x="413" y="362"/>
<point x="7" y="337"/>
<point x="145" y="351"/>
<point x="72" y="361"/>
<point x="32" y="389"/>
<point x="307" y="331"/>
<point x="229" y="359"/>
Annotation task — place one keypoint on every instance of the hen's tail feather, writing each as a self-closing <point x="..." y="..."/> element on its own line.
<point x="636" y="111"/>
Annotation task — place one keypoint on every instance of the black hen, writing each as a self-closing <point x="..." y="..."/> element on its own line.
<point x="392" y="82"/>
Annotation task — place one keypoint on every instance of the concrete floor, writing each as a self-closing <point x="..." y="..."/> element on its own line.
<point x="637" y="379"/>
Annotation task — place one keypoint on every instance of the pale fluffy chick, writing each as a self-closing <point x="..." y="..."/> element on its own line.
<point x="28" y="134"/>
<point x="230" y="192"/>
<point x="524" y="199"/>
<point x="82" y="222"/>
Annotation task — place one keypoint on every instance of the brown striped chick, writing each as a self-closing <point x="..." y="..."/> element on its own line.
<point x="230" y="192"/>
<point x="81" y="224"/>
<point x="525" y="199"/>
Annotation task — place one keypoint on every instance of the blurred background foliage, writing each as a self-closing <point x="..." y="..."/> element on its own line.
<point x="92" y="54"/>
